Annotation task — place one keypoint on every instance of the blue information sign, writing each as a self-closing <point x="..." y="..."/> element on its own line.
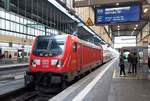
<point x="110" y="15"/>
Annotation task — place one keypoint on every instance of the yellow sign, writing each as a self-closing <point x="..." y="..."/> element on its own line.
<point x="89" y="22"/>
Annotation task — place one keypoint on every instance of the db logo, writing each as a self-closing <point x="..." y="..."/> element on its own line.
<point x="45" y="62"/>
<point x="100" y="11"/>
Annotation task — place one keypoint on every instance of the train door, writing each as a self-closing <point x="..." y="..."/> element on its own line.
<point x="20" y="55"/>
<point x="5" y="54"/>
<point x="0" y="52"/>
<point x="75" y="61"/>
<point x="79" y="57"/>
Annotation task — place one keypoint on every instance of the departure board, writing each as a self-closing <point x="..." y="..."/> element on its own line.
<point x="112" y="15"/>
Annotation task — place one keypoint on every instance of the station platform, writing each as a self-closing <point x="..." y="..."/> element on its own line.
<point x="9" y="66"/>
<point x="105" y="84"/>
<point x="12" y="77"/>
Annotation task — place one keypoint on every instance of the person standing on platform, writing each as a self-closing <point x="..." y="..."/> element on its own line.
<point x="130" y="62"/>
<point x="134" y="63"/>
<point x="121" y="64"/>
<point x="140" y="59"/>
<point x="149" y="61"/>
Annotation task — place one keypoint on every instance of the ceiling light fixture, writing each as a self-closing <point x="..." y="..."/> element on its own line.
<point x="145" y="10"/>
<point x="134" y="28"/>
<point x="118" y="26"/>
<point x="117" y="4"/>
<point x="132" y="33"/>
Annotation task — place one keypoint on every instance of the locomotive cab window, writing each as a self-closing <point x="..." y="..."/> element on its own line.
<point x="74" y="47"/>
<point x="49" y="46"/>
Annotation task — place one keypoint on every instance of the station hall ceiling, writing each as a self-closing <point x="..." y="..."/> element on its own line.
<point x="41" y="11"/>
<point x="47" y="14"/>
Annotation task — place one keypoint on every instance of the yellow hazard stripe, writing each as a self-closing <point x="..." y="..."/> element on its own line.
<point x="116" y="75"/>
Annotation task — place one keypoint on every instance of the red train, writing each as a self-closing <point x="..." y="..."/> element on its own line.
<point x="61" y="58"/>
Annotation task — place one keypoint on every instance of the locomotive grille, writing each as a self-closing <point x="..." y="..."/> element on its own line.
<point x="45" y="63"/>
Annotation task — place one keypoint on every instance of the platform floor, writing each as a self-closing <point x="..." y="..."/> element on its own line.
<point x="7" y="87"/>
<point x="13" y="65"/>
<point x="105" y="84"/>
<point x="132" y="87"/>
<point x="11" y="80"/>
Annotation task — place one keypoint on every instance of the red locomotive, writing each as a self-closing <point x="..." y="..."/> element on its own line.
<point x="59" y="59"/>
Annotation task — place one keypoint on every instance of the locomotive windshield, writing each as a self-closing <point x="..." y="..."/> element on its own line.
<point x="49" y="46"/>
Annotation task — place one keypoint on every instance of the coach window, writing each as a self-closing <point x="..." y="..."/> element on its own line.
<point x="74" y="46"/>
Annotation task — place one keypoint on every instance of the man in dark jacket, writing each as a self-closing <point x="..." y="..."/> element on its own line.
<point x="149" y="61"/>
<point x="134" y="63"/>
<point x="121" y="64"/>
<point x="130" y="62"/>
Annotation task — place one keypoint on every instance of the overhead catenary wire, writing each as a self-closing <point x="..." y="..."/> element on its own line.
<point x="53" y="16"/>
<point x="47" y="13"/>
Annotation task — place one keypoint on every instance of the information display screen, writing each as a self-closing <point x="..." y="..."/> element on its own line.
<point x="110" y="15"/>
<point x="124" y="41"/>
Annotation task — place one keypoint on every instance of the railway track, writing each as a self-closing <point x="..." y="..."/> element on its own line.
<point x="33" y="96"/>
<point x="24" y="95"/>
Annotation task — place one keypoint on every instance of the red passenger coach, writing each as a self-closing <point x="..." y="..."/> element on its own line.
<point x="61" y="58"/>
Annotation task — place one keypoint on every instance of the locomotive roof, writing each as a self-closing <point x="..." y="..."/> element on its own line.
<point x="58" y="37"/>
<point x="64" y="36"/>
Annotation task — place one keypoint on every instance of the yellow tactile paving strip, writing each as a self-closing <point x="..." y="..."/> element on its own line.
<point x="139" y="76"/>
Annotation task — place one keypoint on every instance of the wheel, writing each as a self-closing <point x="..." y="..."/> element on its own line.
<point x="28" y="82"/>
<point x="64" y="85"/>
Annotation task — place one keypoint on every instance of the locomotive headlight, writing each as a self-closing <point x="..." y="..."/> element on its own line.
<point x="54" y="62"/>
<point x="60" y="63"/>
<point x="33" y="65"/>
<point x="35" y="62"/>
<point x="57" y="62"/>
